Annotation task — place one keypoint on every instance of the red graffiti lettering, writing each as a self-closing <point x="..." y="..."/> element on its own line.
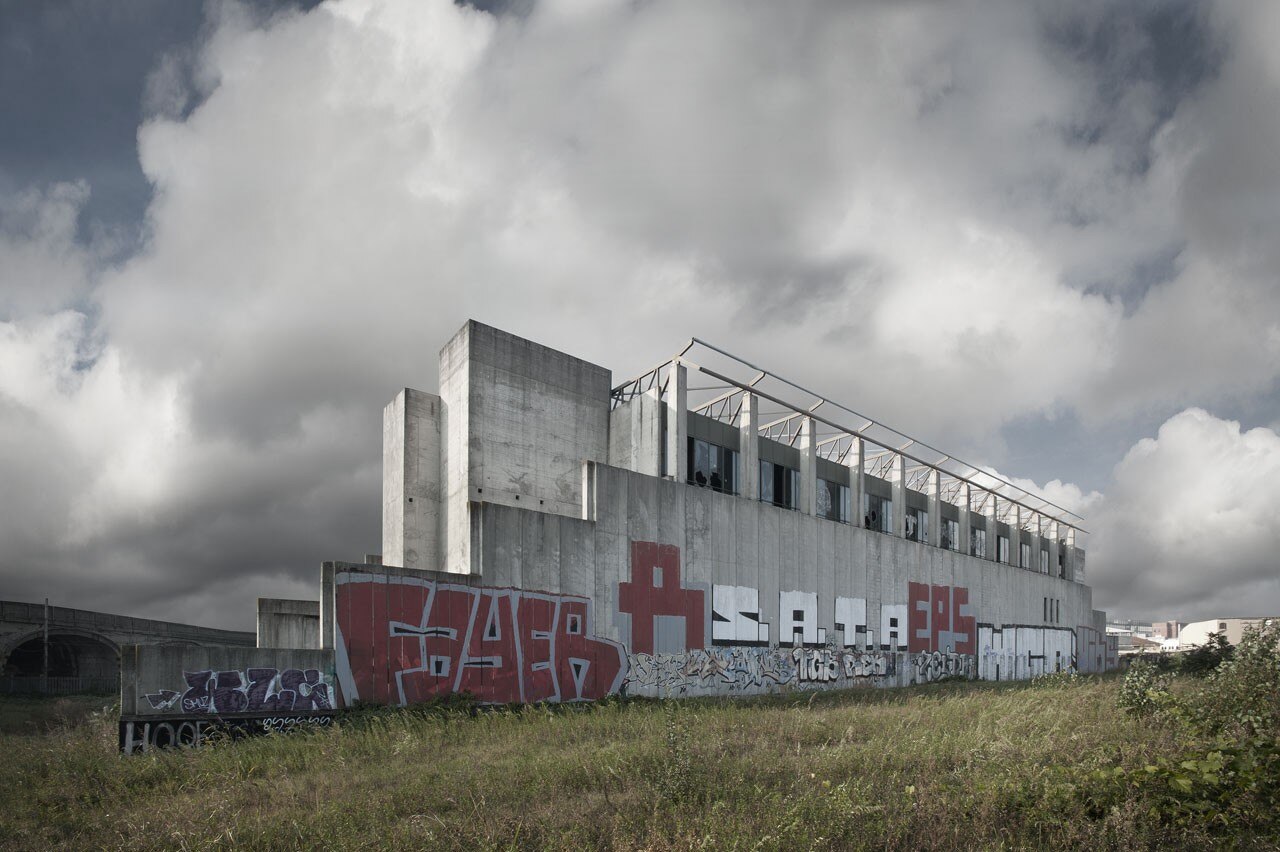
<point x="939" y="619"/>
<point x="407" y="640"/>
<point x="655" y="589"/>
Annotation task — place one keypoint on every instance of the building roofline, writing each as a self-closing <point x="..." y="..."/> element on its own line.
<point x="800" y="401"/>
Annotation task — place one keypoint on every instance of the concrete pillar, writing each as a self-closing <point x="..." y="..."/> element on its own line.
<point x="935" y="508"/>
<point x="966" y="535"/>
<point x="1036" y="527"/>
<point x="857" y="460"/>
<point x="900" y="496"/>
<point x="993" y="535"/>
<point x="807" y="444"/>
<point x="677" y="422"/>
<point x="411" y="481"/>
<point x="1015" y="536"/>
<point x="749" y="447"/>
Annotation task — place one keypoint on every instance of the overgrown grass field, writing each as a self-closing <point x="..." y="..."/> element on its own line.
<point x="1054" y="765"/>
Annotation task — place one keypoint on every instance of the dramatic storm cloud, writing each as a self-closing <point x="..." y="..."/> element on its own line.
<point x="1023" y="232"/>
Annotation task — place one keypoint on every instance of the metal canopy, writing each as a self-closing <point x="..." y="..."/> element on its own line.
<point x="837" y="428"/>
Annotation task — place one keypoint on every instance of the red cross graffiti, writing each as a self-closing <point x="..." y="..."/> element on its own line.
<point x="655" y="590"/>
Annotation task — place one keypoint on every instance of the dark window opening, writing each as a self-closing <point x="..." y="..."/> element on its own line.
<point x="917" y="525"/>
<point x="779" y="485"/>
<point x="712" y="466"/>
<point x="833" y="501"/>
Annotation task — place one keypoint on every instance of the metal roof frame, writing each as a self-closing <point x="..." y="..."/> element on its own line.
<point x="797" y="401"/>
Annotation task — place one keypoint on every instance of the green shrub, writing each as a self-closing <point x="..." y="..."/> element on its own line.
<point x="1145" y="691"/>
<point x="1241" y="697"/>
<point x="1204" y="659"/>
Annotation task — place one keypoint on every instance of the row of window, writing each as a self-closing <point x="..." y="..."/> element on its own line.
<point x="713" y="466"/>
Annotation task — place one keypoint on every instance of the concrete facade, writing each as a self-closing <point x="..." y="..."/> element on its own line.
<point x="519" y="421"/>
<point x="549" y="538"/>
<point x="288" y="624"/>
<point x="556" y="502"/>
<point x="178" y="695"/>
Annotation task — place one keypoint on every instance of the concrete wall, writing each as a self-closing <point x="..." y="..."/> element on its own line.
<point x="411" y="480"/>
<point x="167" y="681"/>
<point x="520" y="419"/>
<point x="288" y="624"/>
<point x="175" y="695"/>
<point x="678" y="590"/>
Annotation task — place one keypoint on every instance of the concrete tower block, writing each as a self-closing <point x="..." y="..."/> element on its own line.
<point x="411" y="493"/>
<point x="520" y="421"/>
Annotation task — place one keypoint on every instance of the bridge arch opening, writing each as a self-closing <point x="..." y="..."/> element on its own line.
<point x="70" y="655"/>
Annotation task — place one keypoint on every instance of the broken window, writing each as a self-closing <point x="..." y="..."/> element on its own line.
<point x="712" y="466"/>
<point x="833" y="500"/>
<point x="877" y="513"/>
<point x="950" y="534"/>
<point x="978" y="543"/>
<point x="917" y="522"/>
<point x="779" y="484"/>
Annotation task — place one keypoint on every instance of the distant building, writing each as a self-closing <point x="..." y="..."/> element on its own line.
<point x="1197" y="633"/>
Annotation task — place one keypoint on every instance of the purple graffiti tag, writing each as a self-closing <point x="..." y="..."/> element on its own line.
<point x="197" y="698"/>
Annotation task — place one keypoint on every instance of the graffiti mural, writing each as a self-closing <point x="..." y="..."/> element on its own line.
<point x="930" y="666"/>
<point x="1095" y="651"/>
<point x="402" y="640"/>
<point x="749" y="670"/>
<point x="940" y="619"/>
<point x="798" y="619"/>
<point x="655" y="592"/>
<point x="139" y="735"/>
<point x="825" y="665"/>
<point x="735" y="616"/>
<point x="254" y="690"/>
<point x="1016" y="652"/>
<point x="709" y="671"/>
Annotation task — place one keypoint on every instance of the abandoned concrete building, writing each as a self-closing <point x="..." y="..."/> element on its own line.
<point x="705" y="528"/>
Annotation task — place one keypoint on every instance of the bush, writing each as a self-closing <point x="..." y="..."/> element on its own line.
<point x="1204" y="659"/>
<point x="1241" y="696"/>
<point x="1145" y="691"/>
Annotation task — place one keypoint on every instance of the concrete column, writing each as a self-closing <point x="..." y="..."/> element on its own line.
<point x="935" y="508"/>
<point x="965" y="534"/>
<point x="900" y="496"/>
<point x="993" y="535"/>
<point x="677" y="422"/>
<point x="749" y="447"/>
<point x="808" y="466"/>
<point x="857" y="484"/>
<point x="1015" y="536"/>
<point x="1036" y="528"/>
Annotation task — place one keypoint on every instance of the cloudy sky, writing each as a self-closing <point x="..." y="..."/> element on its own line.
<point x="1044" y="236"/>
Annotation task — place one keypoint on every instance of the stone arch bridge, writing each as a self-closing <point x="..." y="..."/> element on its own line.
<point x="84" y="646"/>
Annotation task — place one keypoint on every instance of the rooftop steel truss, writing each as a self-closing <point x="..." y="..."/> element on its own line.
<point x="837" y="428"/>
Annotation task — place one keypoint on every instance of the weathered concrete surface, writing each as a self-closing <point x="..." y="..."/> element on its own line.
<point x="92" y="639"/>
<point x="520" y="419"/>
<point x="178" y="696"/>
<point x="411" y="476"/>
<point x="174" y="682"/>
<point x="288" y="623"/>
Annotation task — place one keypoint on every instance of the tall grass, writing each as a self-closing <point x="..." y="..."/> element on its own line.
<point x="948" y="766"/>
